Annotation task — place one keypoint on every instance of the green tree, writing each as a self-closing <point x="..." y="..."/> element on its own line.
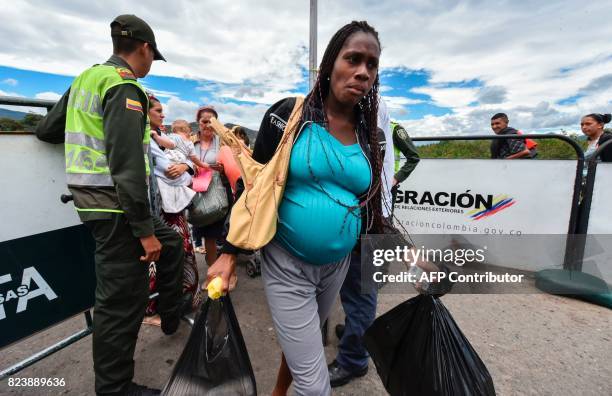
<point x="10" y="125"/>
<point x="31" y="120"/>
<point x="547" y="149"/>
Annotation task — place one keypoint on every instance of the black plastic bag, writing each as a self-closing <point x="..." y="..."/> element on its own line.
<point x="418" y="349"/>
<point x="215" y="360"/>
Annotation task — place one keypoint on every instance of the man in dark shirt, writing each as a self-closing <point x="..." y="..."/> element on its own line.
<point x="359" y="303"/>
<point x="102" y="119"/>
<point x="507" y="148"/>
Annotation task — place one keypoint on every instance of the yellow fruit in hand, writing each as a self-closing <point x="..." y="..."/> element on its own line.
<point x="215" y="288"/>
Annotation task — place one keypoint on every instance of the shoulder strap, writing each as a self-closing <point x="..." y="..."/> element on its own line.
<point x="231" y="140"/>
<point x="293" y="121"/>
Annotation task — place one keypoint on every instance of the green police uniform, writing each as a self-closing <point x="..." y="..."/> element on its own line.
<point x="403" y="144"/>
<point x="103" y="121"/>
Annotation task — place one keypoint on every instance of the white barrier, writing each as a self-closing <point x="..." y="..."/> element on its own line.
<point x="598" y="249"/>
<point x="600" y="217"/>
<point x="47" y="273"/>
<point x="507" y="198"/>
<point x="33" y="179"/>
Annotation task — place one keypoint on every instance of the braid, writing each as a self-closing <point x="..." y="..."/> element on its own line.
<point x="368" y="106"/>
<point x="371" y="118"/>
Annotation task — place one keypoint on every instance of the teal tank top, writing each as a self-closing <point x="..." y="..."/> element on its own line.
<point x="314" y="225"/>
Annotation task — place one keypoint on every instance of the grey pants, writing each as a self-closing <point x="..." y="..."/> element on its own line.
<point x="300" y="297"/>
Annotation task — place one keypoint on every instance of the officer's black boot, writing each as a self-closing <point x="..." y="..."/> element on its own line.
<point x="140" y="390"/>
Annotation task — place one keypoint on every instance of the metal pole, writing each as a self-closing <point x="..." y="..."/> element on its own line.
<point x="312" y="63"/>
<point x="17" y="101"/>
<point x="44" y="353"/>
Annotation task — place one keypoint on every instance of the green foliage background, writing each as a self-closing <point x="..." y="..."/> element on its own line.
<point x="547" y="149"/>
<point x="27" y="123"/>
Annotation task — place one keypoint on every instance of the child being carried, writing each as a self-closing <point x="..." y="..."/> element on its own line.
<point x="175" y="193"/>
<point x="179" y="145"/>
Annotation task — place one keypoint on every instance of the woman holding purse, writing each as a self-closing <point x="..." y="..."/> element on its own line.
<point x="332" y="195"/>
<point x="207" y="150"/>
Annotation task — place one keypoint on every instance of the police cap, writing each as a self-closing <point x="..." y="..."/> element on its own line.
<point x="134" y="27"/>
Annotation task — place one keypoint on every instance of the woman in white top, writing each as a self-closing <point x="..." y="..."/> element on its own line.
<point x="207" y="149"/>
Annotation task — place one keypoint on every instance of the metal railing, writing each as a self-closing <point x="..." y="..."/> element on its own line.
<point x="26" y="102"/>
<point x="573" y="224"/>
<point x="585" y="206"/>
<point x="27" y="362"/>
<point x="574" y="245"/>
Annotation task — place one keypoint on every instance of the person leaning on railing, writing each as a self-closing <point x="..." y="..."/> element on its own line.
<point x="592" y="125"/>
<point x="512" y="148"/>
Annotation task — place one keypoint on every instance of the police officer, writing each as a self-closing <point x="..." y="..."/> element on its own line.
<point x="402" y="144"/>
<point x="102" y="119"/>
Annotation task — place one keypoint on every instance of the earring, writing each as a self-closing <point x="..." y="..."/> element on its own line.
<point x="328" y="78"/>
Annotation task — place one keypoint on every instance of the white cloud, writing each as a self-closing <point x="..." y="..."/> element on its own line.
<point x="254" y="95"/>
<point x="246" y="115"/>
<point x="48" y="95"/>
<point x="10" y="82"/>
<point x="398" y="101"/>
<point x="160" y="93"/>
<point x="176" y="108"/>
<point x="524" y="53"/>
<point x="5" y="93"/>
<point x="542" y="117"/>
<point x="398" y="104"/>
<point x="66" y="38"/>
<point x="492" y="95"/>
<point x="449" y="97"/>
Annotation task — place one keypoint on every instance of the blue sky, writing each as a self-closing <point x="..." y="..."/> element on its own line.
<point x="446" y="65"/>
<point x="396" y="83"/>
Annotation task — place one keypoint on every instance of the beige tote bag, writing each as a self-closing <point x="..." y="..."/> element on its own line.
<point x="254" y="216"/>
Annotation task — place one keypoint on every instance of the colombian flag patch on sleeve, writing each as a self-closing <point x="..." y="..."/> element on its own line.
<point x="125" y="73"/>
<point x="133" y="105"/>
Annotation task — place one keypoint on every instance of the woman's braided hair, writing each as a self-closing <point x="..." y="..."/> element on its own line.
<point x="368" y="106"/>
